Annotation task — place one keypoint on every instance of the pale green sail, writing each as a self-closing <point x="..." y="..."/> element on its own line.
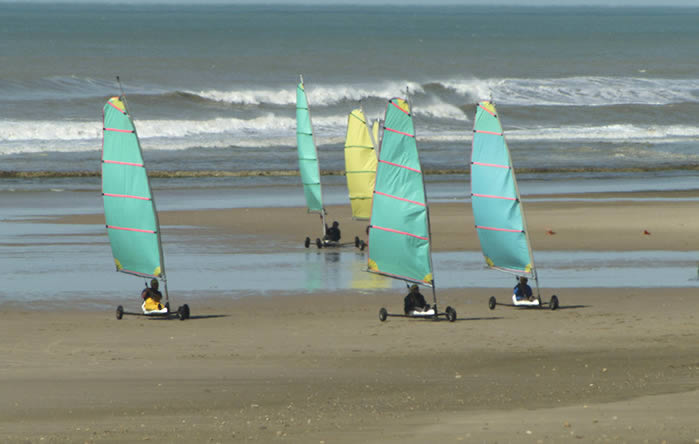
<point x="497" y="209"/>
<point x="399" y="236"/>
<point x="308" y="154"/>
<point x="129" y="210"/>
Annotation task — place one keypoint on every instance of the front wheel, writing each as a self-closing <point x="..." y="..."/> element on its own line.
<point x="307" y="242"/>
<point x="554" y="302"/>
<point x="319" y="243"/>
<point x="356" y="242"/>
<point x="362" y="246"/>
<point x="383" y="314"/>
<point x="492" y="302"/>
<point x="119" y="312"/>
<point x="451" y="314"/>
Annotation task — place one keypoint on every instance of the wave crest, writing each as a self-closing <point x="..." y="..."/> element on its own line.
<point x="318" y="95"/>
<point x="577" y="91"/>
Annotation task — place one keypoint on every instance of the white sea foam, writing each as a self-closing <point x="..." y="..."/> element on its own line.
<point x="633" y="133"/>
<point x="272" y="130"/>
<point x="578" y="91"/>
<point x="13" y="131"/>
<point x="318" y="95"/>
<point x="440" y="110"/>
<point x="606" y="133"/>
<point x="571" y="91"/>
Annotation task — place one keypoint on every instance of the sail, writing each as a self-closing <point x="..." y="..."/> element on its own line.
<point x="360" y="165"/>
<point x="129" y="210"/>
<point x="497" y="209"/>
<point x="399" y="236"/>
<point x="308" y="155"/>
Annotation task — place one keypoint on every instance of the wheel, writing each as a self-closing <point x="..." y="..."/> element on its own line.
<point x="357" y="242"/>
<point x="451" y="314"/>
<point x="319" y="243"/>
<point x="492" y="303"/>
<point x="119" y="312"/>
<point x="383" y="314"/>
<point x="362" y="246"/>
<point x="185" y="310"/>
<point x="307" y="242"/>
<point x="554" y="302"/>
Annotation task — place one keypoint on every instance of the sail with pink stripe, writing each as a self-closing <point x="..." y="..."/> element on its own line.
<point x="497" y="209"/>
<point x="399" y="233"/>
<point x="129" y="211"/>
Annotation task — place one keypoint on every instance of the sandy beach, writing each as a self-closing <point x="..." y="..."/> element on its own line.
<point x="609" y="366"/>
<point x="612" y="365"/>
<point x="213" y="110"/>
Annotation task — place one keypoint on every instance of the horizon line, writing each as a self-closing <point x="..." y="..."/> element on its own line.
<point x="413" y="4"/>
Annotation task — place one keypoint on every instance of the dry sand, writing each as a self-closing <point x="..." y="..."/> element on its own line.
<point x="613" y="365"/>
<point x="610" y="366"/>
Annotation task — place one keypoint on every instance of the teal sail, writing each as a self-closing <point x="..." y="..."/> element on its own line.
<point x="308" y="154"/>
<point x="495" y="199"/>
<point x="399" y="233"/>
<point x="129" y="210"/>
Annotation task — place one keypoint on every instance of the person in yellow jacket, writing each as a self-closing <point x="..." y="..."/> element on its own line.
<point x="151" y="299"/>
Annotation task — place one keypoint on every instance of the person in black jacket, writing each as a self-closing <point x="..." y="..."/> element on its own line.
<point x="333" y="233"/>
<point x="415" y="300"/>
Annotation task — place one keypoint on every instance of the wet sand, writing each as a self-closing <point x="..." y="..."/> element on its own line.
<point x="612" y="365"/>
<point x="594" y="225"/>
<point x="609" y="366"/>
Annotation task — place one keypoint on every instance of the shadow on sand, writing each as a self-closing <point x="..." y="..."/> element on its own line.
<point x="212" y="316"/>
<point x="572" y="307"/>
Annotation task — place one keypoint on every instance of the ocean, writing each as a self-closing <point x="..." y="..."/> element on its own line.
<point x="592" y="100"/>
<point x="582" y="92"/>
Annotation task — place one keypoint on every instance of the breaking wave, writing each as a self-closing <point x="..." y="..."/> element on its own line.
<point x="569" y="91"/>
<point x="577" y="91"/>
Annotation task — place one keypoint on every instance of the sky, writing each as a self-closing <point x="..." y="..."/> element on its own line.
<point x="611" y="3"/>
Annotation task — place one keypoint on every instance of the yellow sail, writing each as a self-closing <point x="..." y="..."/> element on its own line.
<point x="360" y="165"/>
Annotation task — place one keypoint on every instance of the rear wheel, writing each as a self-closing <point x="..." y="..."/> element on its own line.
<point x="492" y="303"/>
<point x="119" y="312"/>
<point x="319" y="243"/>
<point x="362" y="246"/>
<point x="307" y="242"/>
<point x="383" y="314"/>
<point x="185" y="310"/>
<point x="451" y="314"/>
<point x="357" y="241"/>
<point x="554" y="302"/>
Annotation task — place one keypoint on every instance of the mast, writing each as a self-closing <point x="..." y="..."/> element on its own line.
<point x="399" y="231"/>
<point x="497" y="208"/>
<point x="521" y="210"/>
<point x="427" y="205"/>
<point x="162" y="276"/>
<point x="315" y="150"/>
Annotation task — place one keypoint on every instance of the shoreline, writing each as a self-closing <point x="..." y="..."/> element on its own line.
<point x="587" y="225"/>
<point x="21" y="174"/>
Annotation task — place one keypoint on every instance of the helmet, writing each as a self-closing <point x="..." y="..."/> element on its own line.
<point x="336" y="223"/>
<point x="414" y="287"/>
<point x="154" y="284"/>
